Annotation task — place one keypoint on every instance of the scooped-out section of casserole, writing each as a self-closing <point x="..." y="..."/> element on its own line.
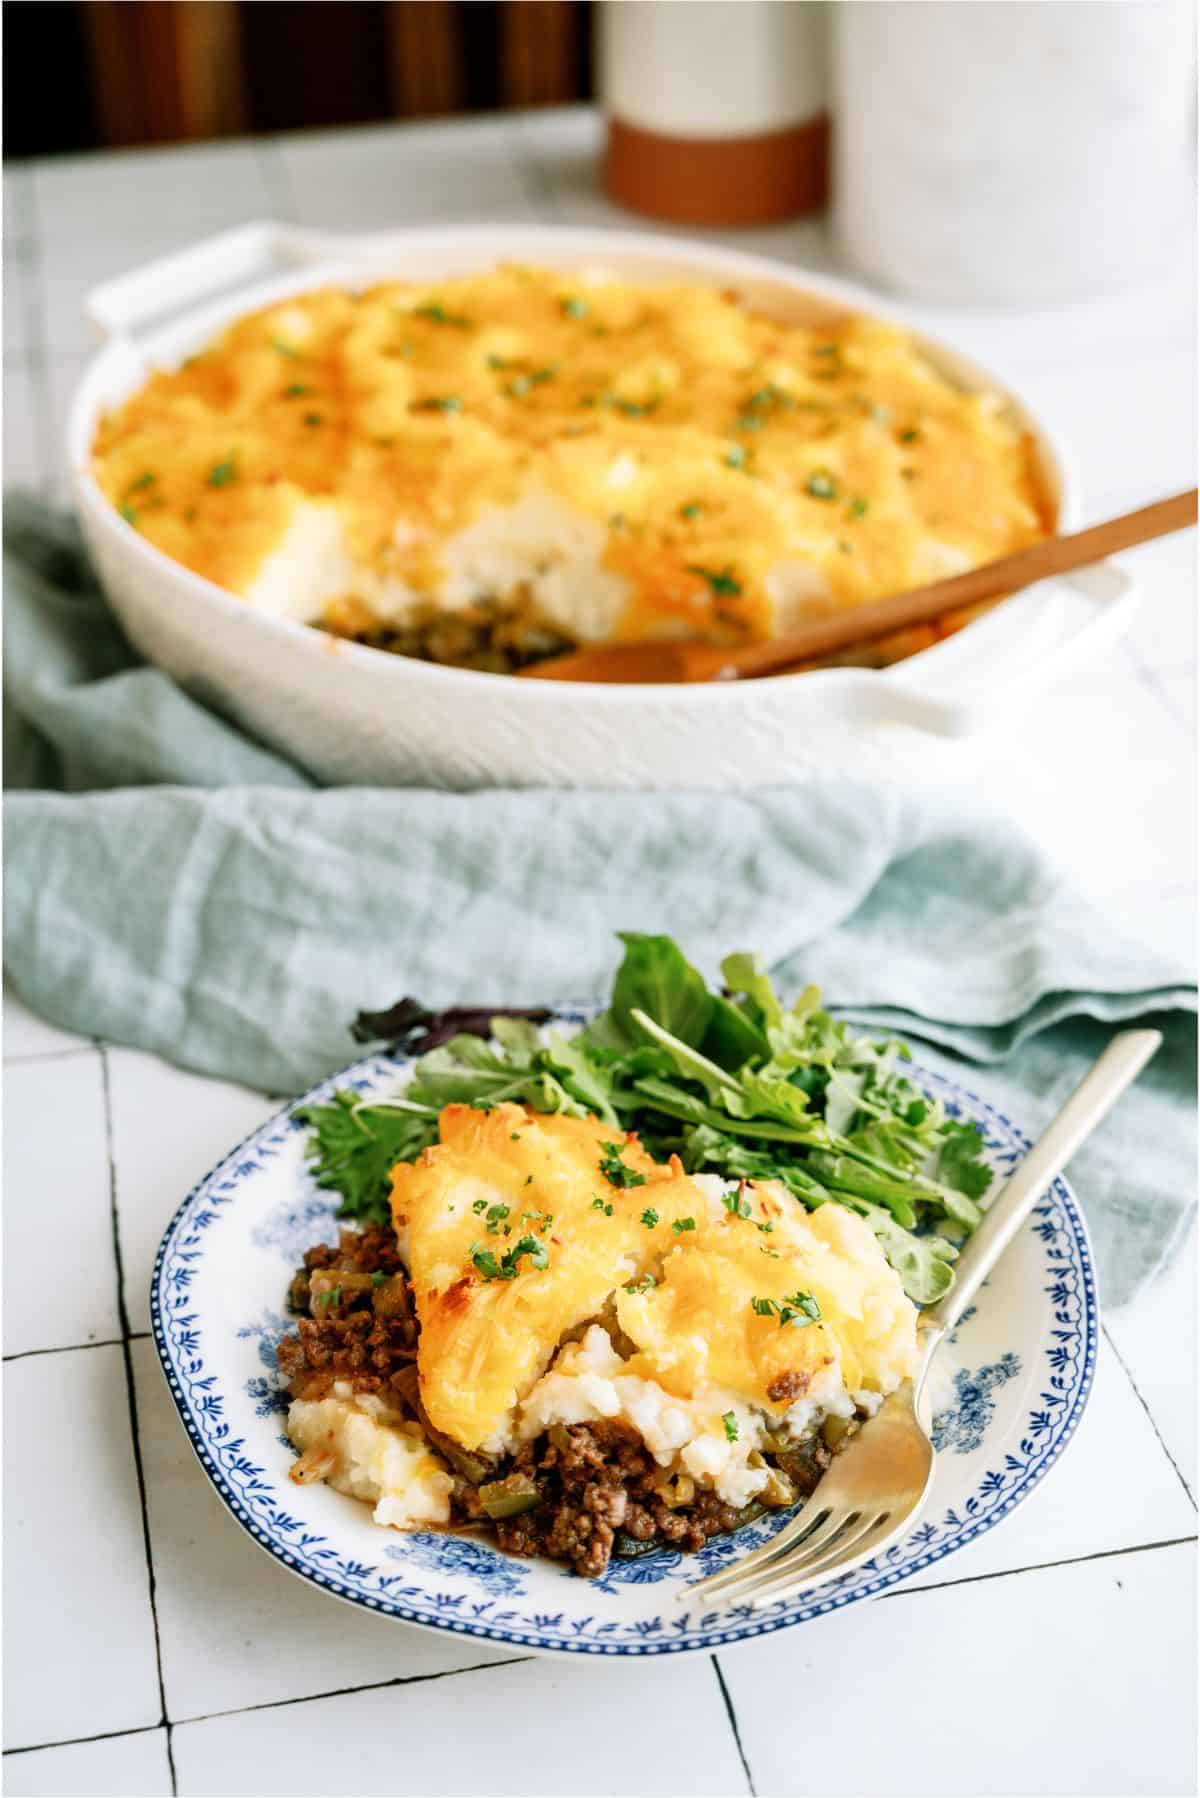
<point x="489" y="469"/>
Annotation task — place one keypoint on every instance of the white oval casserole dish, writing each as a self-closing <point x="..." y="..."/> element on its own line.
<point x="351" y="714"/>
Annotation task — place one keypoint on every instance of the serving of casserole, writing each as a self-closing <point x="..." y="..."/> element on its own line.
<point x="632" y="1287"/>
<point x="484" y="469"/>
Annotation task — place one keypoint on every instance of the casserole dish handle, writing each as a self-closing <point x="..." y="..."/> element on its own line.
<point x="229" y="260"/>
<point x="977" y="679"/>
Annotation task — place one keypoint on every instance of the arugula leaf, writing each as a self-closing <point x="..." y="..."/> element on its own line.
<point x="732" y="1038"/>
<point x="766" y="1096"/>
<point x="355" y="1147"/>
<point x="678" y="1103"/>
<point x="657" y="979"/>
<point x="709" y="1148"/>
<point x="688" y="1061"/>
<point x="960" y="1160"/>
<point x="582" y="1076"/>
<point x="923" y="1262"/>
<point x="747" y="979"/>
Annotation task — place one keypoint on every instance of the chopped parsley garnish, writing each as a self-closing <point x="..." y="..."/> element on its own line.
<point x="222" y="473"/>
<point x="574" y="307"/>
<point x="331" y="1297"/>
<point x="447" y="402"/>
<point x="642" y="1285"/>
<point x="129" y="513"/>
<point x="735" y="1204"/>
<point x="507" y="1268"/>
<point x="912" y="435"/>
<point x="649" y="1217"/>
<point x="438" y="315"/>
<point x="764" y="400"/>
<point x="515" y="1136"/>
<point x="520" y="385"/>
<point x="633" y="408"/>
<point x="693" y="509"/>
<point x="723" y="584"/>
<point x="378" y="1278"/>
<point x="479" y="1206"/>
<point x="799" y="1308"/>
<point x="143" y="481"/>
<point x="827" y="349"/>
<point x="764" y="1250"/>
<point x="821" y="484"/>
<point x="285" y="349"/>
<point x="735" y="456"/>
<point x="495" y="1216"/>
<point x="599" y="1205"/>
<point x="765" y="1228"/>
<point x="312" y="418"/>
<point x="682" y="1224"/>
<point x="615" y="1171"/>
<point x="297" y="390"/>
<point x="731" y="1429"/>
<point x="858" y="508"/>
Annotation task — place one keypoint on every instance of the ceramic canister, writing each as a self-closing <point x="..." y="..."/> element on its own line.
<point x="1007" y="153"/>
<point x="716" y="108"/>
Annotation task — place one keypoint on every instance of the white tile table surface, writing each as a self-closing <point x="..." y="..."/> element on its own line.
<point x="150" y="1647"/>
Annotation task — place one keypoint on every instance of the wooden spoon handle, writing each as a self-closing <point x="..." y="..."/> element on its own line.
<point x="1053" y="555"/>
<point x="659" y="662"/>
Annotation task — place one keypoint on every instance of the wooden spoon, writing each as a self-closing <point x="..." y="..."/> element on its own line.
<point x="658" y="662"/>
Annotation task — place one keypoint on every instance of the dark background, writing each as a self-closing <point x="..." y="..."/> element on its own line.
<point x="102" y="73"/>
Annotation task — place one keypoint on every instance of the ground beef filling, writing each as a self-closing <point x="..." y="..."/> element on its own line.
<point x="590" y="1490"/>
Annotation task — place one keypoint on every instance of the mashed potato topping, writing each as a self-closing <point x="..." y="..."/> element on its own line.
<point x="486" y="468"/>
<point x="364" y="1448"/>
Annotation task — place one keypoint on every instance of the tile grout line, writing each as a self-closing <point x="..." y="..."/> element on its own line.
<point x="106" y="1735"/>
<point x="18" y="1060"/>
<point x="976" y="1579"/>
<point x="271" y="1704"/>
<point x="75" y="1348"/>
<point x="1108" y="1337"/>
<point x="378" y="1685"/>
<point x="131" y="1396"/>
<point x="731" y="1713"/>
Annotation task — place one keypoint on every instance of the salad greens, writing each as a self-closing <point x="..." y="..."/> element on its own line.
<point x="732" y="1082"/>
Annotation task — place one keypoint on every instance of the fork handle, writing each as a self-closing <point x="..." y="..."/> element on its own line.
<point x="1120" y="1064"/>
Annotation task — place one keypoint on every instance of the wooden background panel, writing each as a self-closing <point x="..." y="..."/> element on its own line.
<point x="159" y="71"/>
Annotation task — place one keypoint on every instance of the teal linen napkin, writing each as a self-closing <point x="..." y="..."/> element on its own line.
<point x="174" y="885"/>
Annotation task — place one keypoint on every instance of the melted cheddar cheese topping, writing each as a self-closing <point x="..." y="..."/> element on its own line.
<point x="620" y="461"/>
<point x="700" y="1285"/>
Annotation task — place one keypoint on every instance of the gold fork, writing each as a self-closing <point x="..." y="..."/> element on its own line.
<point x="877" y="1487"/>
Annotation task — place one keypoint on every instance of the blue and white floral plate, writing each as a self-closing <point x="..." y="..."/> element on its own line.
<point x="1022" y="1371"/>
